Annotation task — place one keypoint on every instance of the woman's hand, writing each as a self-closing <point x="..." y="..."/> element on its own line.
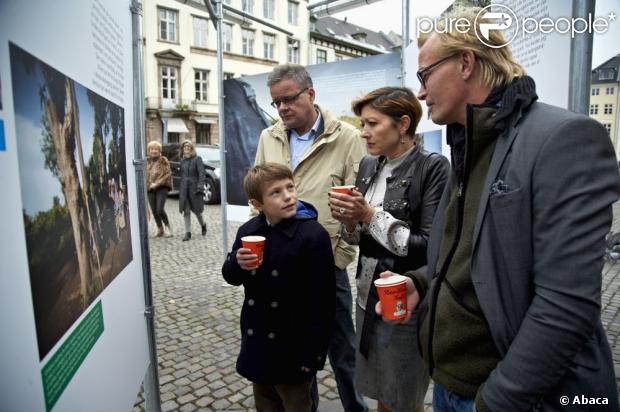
<point x="413" y="299"/>
<point x="350" y="209"/>
<point x="246" y="259"/>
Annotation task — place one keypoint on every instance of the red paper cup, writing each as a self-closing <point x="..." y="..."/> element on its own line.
<point x="346" y="190"/>
<point x="393" y="296"/>
<point x="257" y="245"/>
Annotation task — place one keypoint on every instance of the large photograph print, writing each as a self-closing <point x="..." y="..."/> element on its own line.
<point x="73" y="177"/>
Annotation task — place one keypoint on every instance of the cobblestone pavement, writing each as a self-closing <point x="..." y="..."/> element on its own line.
<point x="197" y="321"/>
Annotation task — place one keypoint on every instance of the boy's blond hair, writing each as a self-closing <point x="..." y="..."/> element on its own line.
<point x="261" y="175"/>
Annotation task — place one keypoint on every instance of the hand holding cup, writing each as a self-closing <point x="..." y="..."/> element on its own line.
<point x="411" y="295"/>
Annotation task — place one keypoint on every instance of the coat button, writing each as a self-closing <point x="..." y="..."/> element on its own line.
<point x="251" y="302"/>
<point x="271" y="335"/>
<point x="250" y="332"/>
<point x="318" y="358"/>
<point x="274" y="273"/>
<point x="274" y="304"/>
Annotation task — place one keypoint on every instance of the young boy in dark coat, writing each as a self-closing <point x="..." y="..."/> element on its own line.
<point x="288" y="310"/>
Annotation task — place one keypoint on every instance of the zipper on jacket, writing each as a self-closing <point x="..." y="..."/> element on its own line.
<point x="460" y="194"/>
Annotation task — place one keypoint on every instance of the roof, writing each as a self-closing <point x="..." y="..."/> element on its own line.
<point x="608" y="72"/>
<point x="342" y="31"/>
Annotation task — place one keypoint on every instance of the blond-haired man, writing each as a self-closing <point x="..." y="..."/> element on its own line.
<point x="512" y="302"/>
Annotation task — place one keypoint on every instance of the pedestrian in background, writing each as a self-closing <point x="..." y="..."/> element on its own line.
<point x="191" y="188"/>
<point x="158" y="184"/>
<point x="289" y="302"/>
<point x="511" y="317"/>
<point x="322" y="152"/>
<point x="389" y="215"/>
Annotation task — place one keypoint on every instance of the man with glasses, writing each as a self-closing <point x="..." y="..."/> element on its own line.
<point x="510" y="310"/>
<point x="322" y="152"/>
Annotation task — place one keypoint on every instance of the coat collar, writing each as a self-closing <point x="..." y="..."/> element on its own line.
<point x="325" y="132"/>
<point x="287" y="226"/>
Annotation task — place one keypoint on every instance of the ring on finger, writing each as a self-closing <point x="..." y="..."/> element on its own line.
<point x="342" y="210"/>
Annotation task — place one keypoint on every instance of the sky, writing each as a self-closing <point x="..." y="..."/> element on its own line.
<point x="386" y="15"/>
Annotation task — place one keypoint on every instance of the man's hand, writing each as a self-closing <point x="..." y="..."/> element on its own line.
<point x="413" y="299"/>
<point x="246" y="259"/>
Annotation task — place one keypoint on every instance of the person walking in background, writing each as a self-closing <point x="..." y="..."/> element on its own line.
<point x="390" y="216"/>
<point x="191" y="188"/>
<point x="158" y="184"/>
<point x="322" y="152"/>
<point x="511" y="320"/>
<point x="289" y="302"/>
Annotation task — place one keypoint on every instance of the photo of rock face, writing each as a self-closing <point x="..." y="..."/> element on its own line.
<point x="73" y="177"/>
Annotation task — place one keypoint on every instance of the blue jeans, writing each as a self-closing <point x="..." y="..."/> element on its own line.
<point x="444" y="400"/>
<point x="341" y="352"/>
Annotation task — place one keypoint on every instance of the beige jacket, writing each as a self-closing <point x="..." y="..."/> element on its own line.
<point x="333" y="159"/>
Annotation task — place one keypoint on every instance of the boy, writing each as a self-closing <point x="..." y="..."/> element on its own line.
<point x="289" y="302"/>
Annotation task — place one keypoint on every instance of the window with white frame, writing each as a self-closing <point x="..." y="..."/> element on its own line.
<point x="200" y="31"/>
<point x="321" y="56"/>
<point x="227" y="36"/>
<point x="594" y="109"/>
<point x="293" y="11"/>
<point x="168" y="25"/>
<point x="595" y="91"/>
<point x="293" y="51"/>
<point x="269" y="7"/>
<point x="201" y="85"/>
<point x="247" y="42"/>
<point x="606" y="74"/>
<point x="247" y="6"/>
<point x="608" y="108"/>
<point x="607" y="127"/>
<point x="609" y="90"/>
<point x="169" y="82"/>
<point x="269" y="45"/>
<point x="339" y="57"/>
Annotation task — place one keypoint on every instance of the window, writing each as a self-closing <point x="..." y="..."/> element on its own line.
<point x="203" y="133"/>
<point x="200" y="32"/>
<point x="594" y="109"/>
<point x="608" y="109"/>
<point x="293" y="51"/>
<point x="247" y="6"/>
<point x="609" y="90"/>
<point x="269" y="44"/>
<point x="268" y="8"/>
<point x="293" y="9"/>
<point x="169" y="82"/>
<point x="339" y="57"/>
<point x="167" y="25"/>
<point x="227" y="36"/>
<point x="201" y="84"/>
<point x="606" y="74"/>
<point x="595" y="91"/>
<point x="173" y="137"/>
<point x="228" y="76"/>
<point x="247" y="42"/>
<point x="607" y="127"/>
<point x="321" y="56"/>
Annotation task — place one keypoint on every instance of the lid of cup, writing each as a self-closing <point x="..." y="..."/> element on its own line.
<point x="392" y="280"/>
<point x="253" y="238"/>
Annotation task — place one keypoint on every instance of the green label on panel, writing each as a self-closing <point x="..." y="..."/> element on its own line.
<point x="59" y="370"/>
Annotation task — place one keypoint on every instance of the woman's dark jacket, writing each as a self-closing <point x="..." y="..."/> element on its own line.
<point x="288" y="310"/>
<point x="191" y="187"/>
<point x="412" y="195"/>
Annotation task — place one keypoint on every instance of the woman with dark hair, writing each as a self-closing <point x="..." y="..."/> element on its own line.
<point x="191" y="188"/>
<point x="389" y="215"/>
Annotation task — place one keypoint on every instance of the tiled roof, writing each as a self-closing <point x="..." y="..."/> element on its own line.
<point x="357" y="36"/>
<point x="608" y="72"/>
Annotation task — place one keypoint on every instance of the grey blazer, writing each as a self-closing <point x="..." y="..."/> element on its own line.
<point x="537" y="260"/>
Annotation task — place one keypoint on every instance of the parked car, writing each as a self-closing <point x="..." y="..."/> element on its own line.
<point x="210" y="155"/>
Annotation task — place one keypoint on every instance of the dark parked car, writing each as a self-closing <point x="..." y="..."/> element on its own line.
<point x="210" y="155"/>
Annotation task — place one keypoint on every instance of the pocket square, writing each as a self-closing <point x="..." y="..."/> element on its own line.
<point x="499" y="186"/>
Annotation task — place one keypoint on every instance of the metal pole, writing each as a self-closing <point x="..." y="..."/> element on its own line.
<point x="581" y="61"/>
<point x="221" y="128"/>
<point x="330" y="9"/>
<point x="404" y="41"/>
<point x="256" y="19"/>
<point x="151" y="379"/>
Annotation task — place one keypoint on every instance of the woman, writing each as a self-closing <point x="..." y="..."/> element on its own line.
<point x="158" y="184"/>
<point x="389" y="215"/>
<point x="191" y="188"/>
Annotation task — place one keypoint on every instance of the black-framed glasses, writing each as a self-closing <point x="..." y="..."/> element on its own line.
<point x="287" y="99"/>
<point x="425" y="72"/>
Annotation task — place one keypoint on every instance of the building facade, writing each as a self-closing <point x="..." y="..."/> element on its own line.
<point x="180" y="62"/>
<point x="605" y="98"/>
